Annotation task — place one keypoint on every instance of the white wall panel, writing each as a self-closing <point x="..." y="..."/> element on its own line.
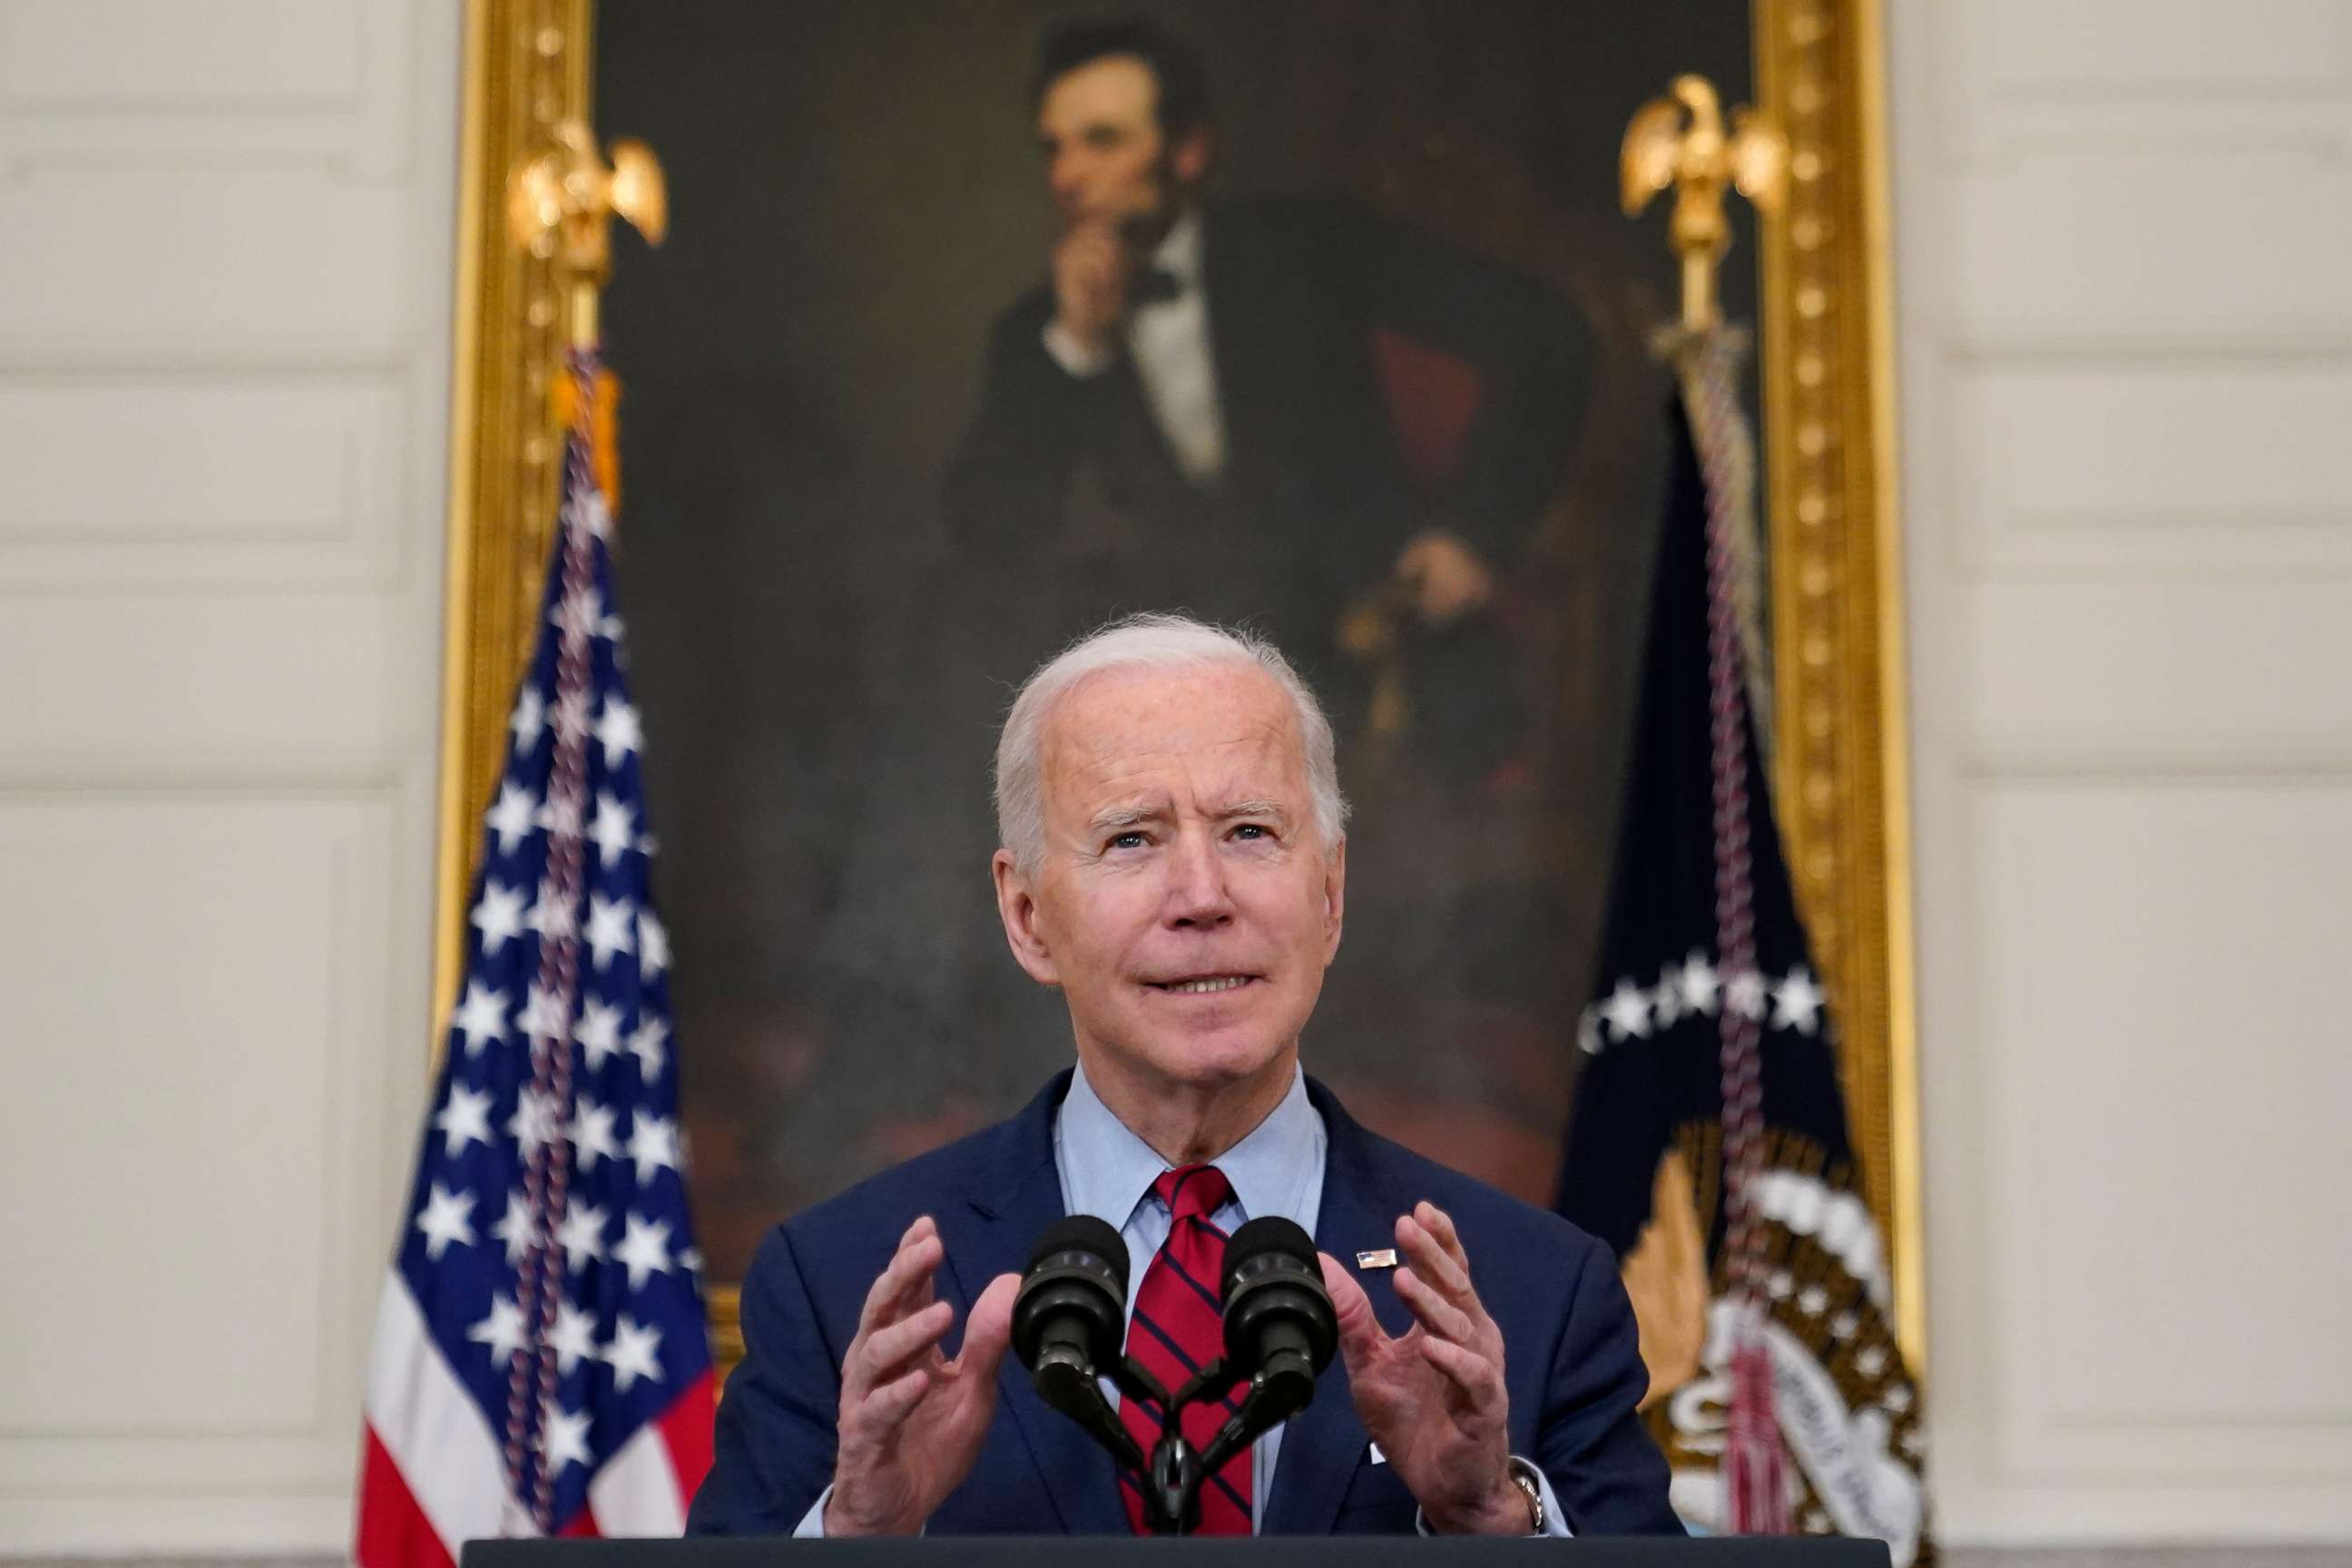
<point x="99" y="56"/>
<point x="2125" y="376"/>
<point x="191" y="1100"/>
<point x="2172" y="468"/>
<point x="224" y="330"/>
<point x="269" y="481"/>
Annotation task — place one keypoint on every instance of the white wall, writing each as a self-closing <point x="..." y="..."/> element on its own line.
<point x="225" y="232"/>
<point x="2125" y="341"/>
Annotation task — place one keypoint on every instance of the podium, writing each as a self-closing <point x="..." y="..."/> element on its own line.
<point x="1130" y="1552"/>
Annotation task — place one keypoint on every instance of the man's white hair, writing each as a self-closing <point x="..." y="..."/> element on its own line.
<point x="1151" y="641"/>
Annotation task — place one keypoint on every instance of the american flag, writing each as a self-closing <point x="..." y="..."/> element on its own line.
<point x="541" y="1363"/>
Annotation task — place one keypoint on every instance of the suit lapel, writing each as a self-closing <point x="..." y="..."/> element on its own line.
<point x="1323" y="1444"/>
<point x="1020" y="1196"/>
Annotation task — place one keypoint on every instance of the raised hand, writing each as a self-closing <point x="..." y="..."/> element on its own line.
<point x="911" y="1420"/>
<point x="1091" y="273"/>
<point x="1434" y="1397"/>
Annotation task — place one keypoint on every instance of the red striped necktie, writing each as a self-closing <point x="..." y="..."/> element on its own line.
<point x="1178" y="1328"/>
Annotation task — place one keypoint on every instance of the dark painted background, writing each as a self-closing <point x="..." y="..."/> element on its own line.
<point x="855" y="196"/>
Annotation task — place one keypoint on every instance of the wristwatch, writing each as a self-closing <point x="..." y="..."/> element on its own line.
<point x="1523" y="1476"/>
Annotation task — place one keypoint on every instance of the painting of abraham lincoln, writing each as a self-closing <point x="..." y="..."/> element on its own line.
<point x="983" y="322"/>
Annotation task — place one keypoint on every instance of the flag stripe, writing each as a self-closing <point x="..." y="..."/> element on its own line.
<point x="430" y="1428"/>
<point x="688" y="1429"/>
<point x="635" y="1492"/>
<point x="393" y="1531"/>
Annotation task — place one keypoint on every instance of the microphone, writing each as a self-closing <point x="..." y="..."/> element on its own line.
<point x="1279" y="1323"/>
<point x="1069" y="1324"/>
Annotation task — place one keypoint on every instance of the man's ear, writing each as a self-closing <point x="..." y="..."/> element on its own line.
<point x="1335" y="897"/>
<point x="1189" y="158"/>
<point x="1017" y="907"/>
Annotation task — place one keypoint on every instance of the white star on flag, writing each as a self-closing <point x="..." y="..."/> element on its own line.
<point x="579" y="612"/>
<point x="591" y="1133"/>
<point x="465" y="1119"/>
<point x="581" y="1235"/>
<point x="608" y="928"/>
<point x="1666" y="998"/>
<point x="571" y="718"/>
<point x="613" y="832"/>
<point x="447" y="1217"/>
<point x="482" y="1016"/>
<point x="599" y="1033"/>
<point x="645" y="1044"/>
<point x="619" y="731"/>
<point x="512" y="818"/>
<point x="498" y="916"/>
<point x="1627" y="1010"/>
<point x="644" y="1249"/>
<point x="529" y="718"/>
<point x="541" y="1019"/>
<point x="1697" y="984"/>
<point x="502" y="1330"/>
<point x="631" y="1353"/>
<point x="1744" y="994"/>
<point x="567" y="1440"/>
<point x="554" y="916"/>
<point x="653" y="1144"/>
<point x="537" y="1120"/>
<point x="515" y="1229"/>
<point x="1797" y="1002"/>
<point x="1871" y="1362"/>
<point x="653" y="944"/>
<point x="1812" y="1301"/>
<point x="574" y="1338"/>
<point x="592" y="511"/>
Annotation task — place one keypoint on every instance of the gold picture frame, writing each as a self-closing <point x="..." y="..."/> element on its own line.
<point x="1826" y="366"/>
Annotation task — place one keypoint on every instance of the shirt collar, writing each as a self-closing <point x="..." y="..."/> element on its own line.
<point x="1179" y="251"/>
<point x="1108" y="1171"/>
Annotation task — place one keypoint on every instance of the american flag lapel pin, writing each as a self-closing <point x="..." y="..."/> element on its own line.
<point x="1383" y="1258"/>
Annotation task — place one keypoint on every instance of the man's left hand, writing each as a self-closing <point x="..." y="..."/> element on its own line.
<point x="1446" y="578"/>
<point x="1434" y="1397"/>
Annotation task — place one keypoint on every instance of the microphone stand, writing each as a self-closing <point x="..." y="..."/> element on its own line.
<point x="1170" y="1483"/>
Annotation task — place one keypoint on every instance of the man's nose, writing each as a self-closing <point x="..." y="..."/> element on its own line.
<point x="1197" y="896"/>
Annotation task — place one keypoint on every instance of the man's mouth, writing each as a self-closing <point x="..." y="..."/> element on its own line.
<point x="1202" y="985"/>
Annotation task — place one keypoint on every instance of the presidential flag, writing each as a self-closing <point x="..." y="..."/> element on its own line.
<point x="1707" y="1143"/>
<point x="541" y="1364"/>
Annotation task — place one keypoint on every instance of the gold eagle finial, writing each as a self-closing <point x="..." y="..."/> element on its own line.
<point x="560" y="205"/>
<point x="1680" y="141"/>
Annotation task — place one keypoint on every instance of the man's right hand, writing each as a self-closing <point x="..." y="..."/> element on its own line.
<point x="911" y="1420"/>
<point x="1092" y="270"/>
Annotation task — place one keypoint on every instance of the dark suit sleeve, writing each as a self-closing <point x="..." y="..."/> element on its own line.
<point x="1609" y="1476"/>
<point x="775" y="1437"/>
<point x="1006" y="483"/>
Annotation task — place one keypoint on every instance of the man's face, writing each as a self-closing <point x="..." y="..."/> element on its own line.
<point x="1183" y="902"/>
<point x="1105" y="159"/>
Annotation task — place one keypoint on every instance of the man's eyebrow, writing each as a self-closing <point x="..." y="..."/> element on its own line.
<point x="1251" y="808"/>
<point x="1117" y="818"/>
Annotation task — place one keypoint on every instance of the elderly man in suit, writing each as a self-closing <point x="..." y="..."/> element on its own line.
<point x="1174" y="862"/>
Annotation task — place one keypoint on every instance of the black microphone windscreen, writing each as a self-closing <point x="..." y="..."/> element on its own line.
<point x="1268" y="1233"/>
<point x="1083" y="1233"/>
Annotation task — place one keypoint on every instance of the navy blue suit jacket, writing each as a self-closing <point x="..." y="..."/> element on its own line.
<point x="1573" y="1372"/>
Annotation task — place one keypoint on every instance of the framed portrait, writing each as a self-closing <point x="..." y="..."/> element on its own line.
<point x="984" y="322"/>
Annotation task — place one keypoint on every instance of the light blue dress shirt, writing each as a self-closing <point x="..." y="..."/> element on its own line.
<point x="1107" y="1172"/>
